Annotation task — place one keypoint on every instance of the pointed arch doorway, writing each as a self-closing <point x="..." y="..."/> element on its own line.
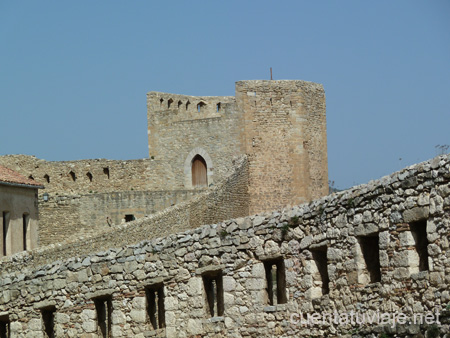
<point x="199" y="172"/>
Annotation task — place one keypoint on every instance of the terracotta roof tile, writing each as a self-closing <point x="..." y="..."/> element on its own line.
<point x="10" y="176"/>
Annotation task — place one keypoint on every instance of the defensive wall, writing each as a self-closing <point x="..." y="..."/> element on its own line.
<point x="88" y="214"/>
<point x="279" y="125"/>
<point x="381" y="247"/>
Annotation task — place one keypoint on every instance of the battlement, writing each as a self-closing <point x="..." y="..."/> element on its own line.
<point x="185" y="107"/>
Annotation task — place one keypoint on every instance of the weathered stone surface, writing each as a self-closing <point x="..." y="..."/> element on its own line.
<point x="56" y="276"/>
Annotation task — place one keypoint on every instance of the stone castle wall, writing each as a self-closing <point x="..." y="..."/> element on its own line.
<point x="88" y="214"/>
<point x="106" y="175"/>
<point x="320" y="250"/>
<point x="209" y="126"/>
<point x="280" y="125"/>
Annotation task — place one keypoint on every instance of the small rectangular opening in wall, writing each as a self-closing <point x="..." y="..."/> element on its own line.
<point x="103" y="307"/>
<point x="129" y="218"/>
<point x="25" y="223"/>
<point x="106" y="171"/>
<point x="320" y="259"/>
<point x="5" y="330"/>
<point x="419" y="233"/>
<point x="276" y="281"/>
<point x="155" y="306"/>
<point x="48" y="321"/>
<point x="5" y="233"/>
<point x="213" y="284"/>
<point x="371" y="254"/>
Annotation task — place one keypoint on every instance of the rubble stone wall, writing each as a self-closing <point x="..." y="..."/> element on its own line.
<point x="88" y="214"/>
<point x="332" y="232"/>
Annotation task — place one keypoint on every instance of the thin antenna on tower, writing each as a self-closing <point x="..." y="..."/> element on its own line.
<point x="271" y="73"/>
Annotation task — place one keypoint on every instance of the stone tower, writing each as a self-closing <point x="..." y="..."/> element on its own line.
<point x="280" y="125"/>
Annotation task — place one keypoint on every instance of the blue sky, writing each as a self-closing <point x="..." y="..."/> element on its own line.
<point x="73" y="75"/>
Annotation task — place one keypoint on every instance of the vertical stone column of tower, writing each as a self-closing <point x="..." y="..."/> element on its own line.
<point x="285" y="139"/>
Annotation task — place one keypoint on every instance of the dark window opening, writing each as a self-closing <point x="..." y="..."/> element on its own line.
<point x="129" y="218"/>
<point x="106" y="171"/>
<point x="5" y="232"/>
<point x="155" y="306"/>
<point x="199" y="172"/>
<point x="187" y="105"/>
<point x="371" y="254"/>
<point x="218" y="107"/>
<point x="103" y="307"/>
<point x="5" y="330"/>
<point x="179" y="104"/>
<point x="161" y="102"/>
<point x="213" y="285"/>
<point x="200" y="105"/>
<point x="320" y="258"/>
<point x="169" y="103"/>
<point x="48" y="319"/>
<point x="276" y="281"/>
<point x="31" y="177"/>
<point x="270" y="101"/>
<point x="74" y="177"/>
<point x="89" y="176"/>
<point x="47" y="178"/>
<point x="419" y="233"/>
<point x="25" y="222"/>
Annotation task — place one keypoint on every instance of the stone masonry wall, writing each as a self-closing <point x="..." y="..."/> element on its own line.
<point x="91" y="213"/>
<point x="107" y="175"/>
<point x="320" y="250"/>
<point x="285" y="139"/>
<point x="209" y="126"/>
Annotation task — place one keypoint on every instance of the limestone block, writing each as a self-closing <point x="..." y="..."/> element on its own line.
<point x="194" y="326"/>
<point x="416" y="214"/>
<point x="229" y="284"/>
<point x="118" y="317"/>
<point x="258" y="270"/>
<point x="406" y="239"/>
<point x="194" y="286"/>
<point x="138" y="316"/>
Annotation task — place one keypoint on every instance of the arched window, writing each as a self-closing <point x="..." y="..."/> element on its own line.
<point x="199" y="172"/>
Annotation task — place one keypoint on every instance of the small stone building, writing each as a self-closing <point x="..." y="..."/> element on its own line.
<point x="19" y="210"/>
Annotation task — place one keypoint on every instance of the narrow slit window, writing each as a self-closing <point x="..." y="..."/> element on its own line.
<point x="89" y="176"/>
<point x="161" y="102"/>
<point x="155" y="306"/>
<point x="47" y="178"/>
<point x="25" y="230"/>
<point x="48" y="321"/>
<point x="213" y="285"/>
<point x="103" y="307"/>
<point x="218" y="107"/>
<point x="169" y="103"/>
<point x="187" y="105"/>
<point x="371" y="254"/>
<point x="5" y="233"/>
<point x="419" y="233"/>
<point x="5" y="329"/>
<point x="200" y="106"/>
<point x="73" y="176"/>
<point x="320" y="260"/>
<point x="106" y="172"/>
<point x="276" y="281"/>
<point x="199" y="172"/>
